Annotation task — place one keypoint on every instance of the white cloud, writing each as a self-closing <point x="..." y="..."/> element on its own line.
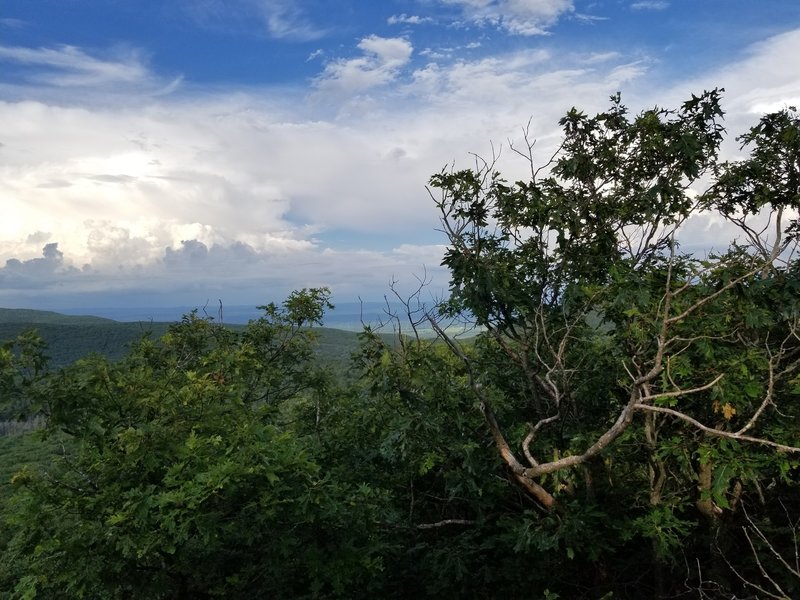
<point x="280" y="19"/>
<point x="404" y="19"/>
<point x="194" y="272"/>
<point x="285" y="20"/>
<point x="650" y="5"/>
<point x="12" y="23"/>
<point x="68" y="67"/>
<point x="520" y="17"/>
<point x="590" y="19"/>
<point x="379" y="64"/>
<point x="601" y="57"/>
<point x="755" y="82"/>
<point x="447" y="52"/>
<point x="439" y="54"/>
<point x="319" y="52"/>
<point x="521" y="83"/>
<point x="115" y="188"/>
<point x="238" y="195"/>
<point x="260" y="182"/>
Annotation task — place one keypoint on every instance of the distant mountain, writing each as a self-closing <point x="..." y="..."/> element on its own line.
<point x="26" y="315"/>
<point x="350" y="316"/>
<point x="71" y="337"/>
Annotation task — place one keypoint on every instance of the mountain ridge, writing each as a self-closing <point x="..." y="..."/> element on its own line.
<point x="70" y="337"/>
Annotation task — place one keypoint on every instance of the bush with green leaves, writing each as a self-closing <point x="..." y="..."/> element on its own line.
<point x="179" y="475"/>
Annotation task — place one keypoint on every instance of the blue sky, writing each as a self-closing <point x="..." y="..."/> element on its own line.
<point x="171" y="152"/>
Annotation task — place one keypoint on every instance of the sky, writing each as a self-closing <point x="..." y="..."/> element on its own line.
<point x="180" y="152"/>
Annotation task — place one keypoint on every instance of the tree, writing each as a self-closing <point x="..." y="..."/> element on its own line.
<point x="605" y="342"/>
<point x="180" y="477"/>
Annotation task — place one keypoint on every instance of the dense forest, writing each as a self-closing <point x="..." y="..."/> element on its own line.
<point x="624" y="424"/>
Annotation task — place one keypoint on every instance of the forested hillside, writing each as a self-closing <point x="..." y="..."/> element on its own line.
<point x="626" y="425"/>
<point x="69" y="338"/>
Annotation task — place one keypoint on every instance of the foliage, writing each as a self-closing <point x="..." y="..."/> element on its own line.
<point x="180" y="478"/>
<point x="626" y="425"/>
<point x="615" y="367"/>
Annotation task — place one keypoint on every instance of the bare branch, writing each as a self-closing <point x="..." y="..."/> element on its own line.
<point x="716" y="432"/>
<point x="611" y="434"/>
<point x="536" y="490"/>
<point x="677" y="393"/>
<point x="749" y="583"/>
<point x="446" y="522"/>
<point x="767" y="397"/>
<point x="533" y="430"/>
<point x="775" y="553"/>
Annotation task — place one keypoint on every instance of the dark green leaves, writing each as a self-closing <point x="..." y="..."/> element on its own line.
<point x="770" y="176"/>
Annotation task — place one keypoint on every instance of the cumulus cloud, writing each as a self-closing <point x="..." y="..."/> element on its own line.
<point x="237" y="188"/>
<point x="520" y="17"/>
<point x="35" y="271"/>
<point x="240" y="195"/>
<point x="109" y="245"/>
<point x="380" y="63"/>
<point x="38" y="237"/>
<point x="193" y="272"/>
